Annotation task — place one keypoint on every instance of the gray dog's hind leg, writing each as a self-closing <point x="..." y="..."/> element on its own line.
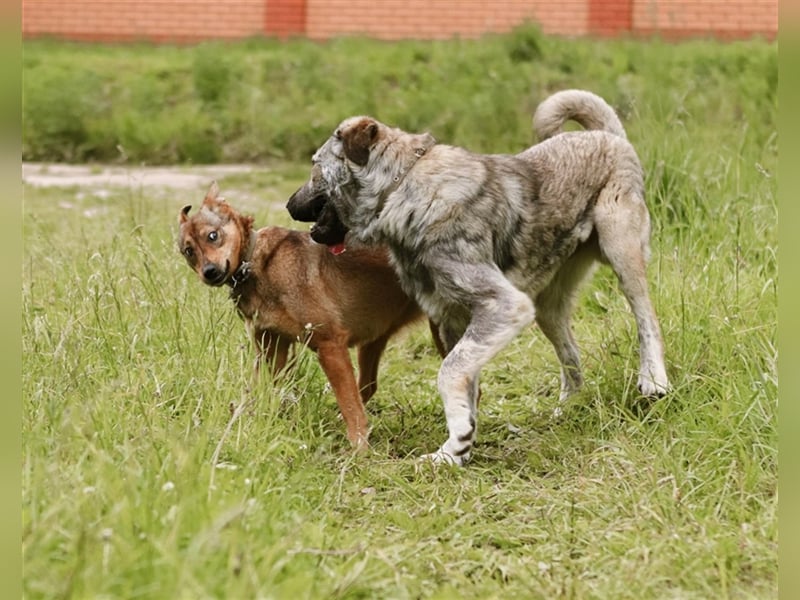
<point x="497" y="317"/>
<point x="624" y="244"/>
<point x="653" y="380"/>
<point x="554" y="306"/>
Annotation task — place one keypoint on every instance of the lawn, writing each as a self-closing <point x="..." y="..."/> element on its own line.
<point x="138" y="482"/>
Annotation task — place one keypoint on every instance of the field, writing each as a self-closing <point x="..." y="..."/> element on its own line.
<point x="155" y="466"/>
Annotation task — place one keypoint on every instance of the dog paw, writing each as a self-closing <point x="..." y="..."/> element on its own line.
<point x="289" y="397"/>
<point x="557" y="412"/>
<point x="440" y="457"/>
<point x="360" y="444"/>
<point x="653" y="389"/>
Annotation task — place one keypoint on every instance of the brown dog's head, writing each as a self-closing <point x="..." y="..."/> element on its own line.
<point x="215" y="240"/>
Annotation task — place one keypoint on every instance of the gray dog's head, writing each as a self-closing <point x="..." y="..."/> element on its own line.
<point x="351" y="175"/>
<point x="316" y="201"/>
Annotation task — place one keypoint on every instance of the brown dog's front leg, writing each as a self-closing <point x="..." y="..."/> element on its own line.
<point x="273" y="350"/>
<point x="335" y="361"/>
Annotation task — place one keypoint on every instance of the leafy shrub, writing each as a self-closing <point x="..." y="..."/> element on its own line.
<point x="58" y="107"/>
<point x="525" y="43"/>
<point x="262" y="98"/>
<point x="212" y="73"/>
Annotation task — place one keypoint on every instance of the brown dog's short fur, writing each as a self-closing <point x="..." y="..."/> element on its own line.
<point x="288" y="288"/>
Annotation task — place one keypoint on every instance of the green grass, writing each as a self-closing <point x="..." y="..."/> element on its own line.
<point x="131" y="367"/>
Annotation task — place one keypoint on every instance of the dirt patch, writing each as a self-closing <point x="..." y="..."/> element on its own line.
<point x="59" y="175"/>
<point x="177" y="184"/>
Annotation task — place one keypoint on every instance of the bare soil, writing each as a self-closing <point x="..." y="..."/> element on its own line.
<point x="49" y="175"/>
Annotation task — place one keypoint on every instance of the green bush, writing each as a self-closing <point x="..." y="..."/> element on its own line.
<point x="260" y="98"/>
<point x="59" y="106"/>
<point x="212" y="73"/>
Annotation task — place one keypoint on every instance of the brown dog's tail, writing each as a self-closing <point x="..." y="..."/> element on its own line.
<point x="587" y="109"/>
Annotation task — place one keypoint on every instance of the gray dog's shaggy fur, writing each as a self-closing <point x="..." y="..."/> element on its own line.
<point x="488" y="243"/>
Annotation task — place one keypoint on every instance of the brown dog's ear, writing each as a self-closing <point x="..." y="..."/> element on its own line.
<point x="213" y="201"/>
<point x="213" y="192"/>
<point x="358" y="139"/>
<point x="185" y="214"/>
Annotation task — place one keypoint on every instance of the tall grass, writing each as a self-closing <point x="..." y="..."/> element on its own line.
<point x="133" y="369"/>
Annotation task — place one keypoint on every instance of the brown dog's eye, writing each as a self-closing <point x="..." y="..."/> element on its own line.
<point x="188" y="252"/>
<point x="213" y="236"/>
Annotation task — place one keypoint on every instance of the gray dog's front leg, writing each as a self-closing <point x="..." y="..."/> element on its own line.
<point x="496" y="319"/>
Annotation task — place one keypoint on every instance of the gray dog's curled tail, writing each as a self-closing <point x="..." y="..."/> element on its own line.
<point x="587" y="109"/>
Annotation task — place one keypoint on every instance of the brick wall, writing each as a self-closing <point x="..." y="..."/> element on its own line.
<point x="724" y="18"/>
<point x="158" y="20"/>
<point x="285" y="17"/>
<point x="611" y="17"/>
<point x="438" y="19"/>
<point x="194" y="20"/>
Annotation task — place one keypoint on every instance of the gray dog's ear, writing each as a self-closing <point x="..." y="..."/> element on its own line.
<point x="358" y="139"/>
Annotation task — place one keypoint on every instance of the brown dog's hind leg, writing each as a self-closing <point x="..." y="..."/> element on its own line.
<point x="437" y="339"/>
<point x="335" y="361"/>
<point x="369" y="357"/>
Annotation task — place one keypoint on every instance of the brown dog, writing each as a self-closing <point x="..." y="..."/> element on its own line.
<point x="288" y="288"/>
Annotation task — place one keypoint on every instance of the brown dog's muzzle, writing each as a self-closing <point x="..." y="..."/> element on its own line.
<point x="213" y="274"/>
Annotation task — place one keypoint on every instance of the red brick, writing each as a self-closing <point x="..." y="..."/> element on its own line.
<point x="193" y="20"/>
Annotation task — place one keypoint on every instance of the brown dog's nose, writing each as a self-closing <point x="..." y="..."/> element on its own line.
<point x="212" y="273"/>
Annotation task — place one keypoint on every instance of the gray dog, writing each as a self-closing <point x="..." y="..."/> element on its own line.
<point x="488" y="243"/>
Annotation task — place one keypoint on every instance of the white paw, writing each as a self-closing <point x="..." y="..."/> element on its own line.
<point x="653" y="389"/>
<point x="440" y="457"/>
<point x="289" y="396"/>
